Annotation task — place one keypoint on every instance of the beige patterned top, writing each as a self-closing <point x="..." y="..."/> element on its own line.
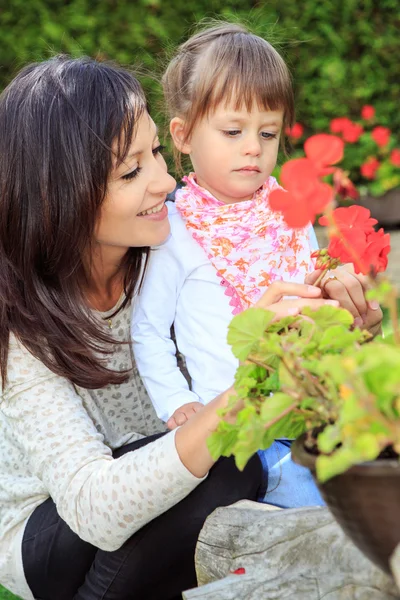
<point x="56" y="440"/>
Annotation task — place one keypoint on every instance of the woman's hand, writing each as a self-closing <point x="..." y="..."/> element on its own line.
<point x="343" y="285"/>
<point x="305" y="295"/>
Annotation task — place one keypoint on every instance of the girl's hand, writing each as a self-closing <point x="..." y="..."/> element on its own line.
<point x="343" y="285"/>
<point x="183" y="414"/>
<point x="306" y="295"/>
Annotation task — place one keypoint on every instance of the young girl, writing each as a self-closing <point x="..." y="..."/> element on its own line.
<point x="230" y="97"/>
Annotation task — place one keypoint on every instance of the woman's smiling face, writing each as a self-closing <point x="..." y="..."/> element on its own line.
<point x="133" y="213"/>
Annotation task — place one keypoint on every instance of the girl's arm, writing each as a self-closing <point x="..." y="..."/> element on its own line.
<point x="153" y="315"/>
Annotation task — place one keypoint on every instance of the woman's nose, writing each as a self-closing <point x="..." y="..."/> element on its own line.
<point x="163" y="182"/>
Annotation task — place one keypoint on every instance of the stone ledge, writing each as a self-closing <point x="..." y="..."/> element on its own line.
<point x="294" y="554"/>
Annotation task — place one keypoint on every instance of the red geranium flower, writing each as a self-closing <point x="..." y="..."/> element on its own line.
<point x="351" y="133"/>
<point x="323" y="150"/>
<point x="369" y="168"/>
<point x="355" y="240"/>
<point x="342" y="185"/>
<point x="381" y="135"/>
<point x="339" y="124"/>
<point x="305" y="197"/>
<point x="367" y="112"/>
<point x="351" y="226"/>
<point x="395" y="157"/>
<point x="375" y="257"/>
<point x="295" y="132"/>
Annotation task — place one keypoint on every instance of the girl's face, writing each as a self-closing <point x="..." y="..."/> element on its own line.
<point x="134" y="212"/>
<point x="233" y="152"/>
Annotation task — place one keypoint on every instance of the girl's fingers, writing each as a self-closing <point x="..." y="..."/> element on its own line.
<point x="171" y="423"/>
<point x="277" y="290"/>
<point x="288" y="308"/>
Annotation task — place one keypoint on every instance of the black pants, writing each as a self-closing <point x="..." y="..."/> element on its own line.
<point x="156" y="563"/>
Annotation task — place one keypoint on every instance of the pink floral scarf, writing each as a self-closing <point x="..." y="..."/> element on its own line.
<point x="249" y="245"/>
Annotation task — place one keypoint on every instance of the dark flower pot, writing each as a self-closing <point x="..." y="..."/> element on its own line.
<point x="385" y="209"/>
<point x="365" y="501"/>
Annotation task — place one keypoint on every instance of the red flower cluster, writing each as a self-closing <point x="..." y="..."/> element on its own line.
<point x="295" y="132"/>
<point x="369" y="168"/>
<point x="350" y="131"/>
<point x="353" y="239"/>
<point x="306" y="195"/>
<point x="381" y="135"/>
<point x="367" y="112"/>
<point x="395" y="157"/>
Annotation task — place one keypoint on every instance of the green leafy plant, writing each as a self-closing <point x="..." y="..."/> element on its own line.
<point x="315" y="372"/>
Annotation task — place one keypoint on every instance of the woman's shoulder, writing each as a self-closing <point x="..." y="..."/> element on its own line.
<point x="23" y="369"/>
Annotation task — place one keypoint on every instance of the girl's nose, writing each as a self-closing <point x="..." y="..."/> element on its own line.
<point x="252" y="146"/>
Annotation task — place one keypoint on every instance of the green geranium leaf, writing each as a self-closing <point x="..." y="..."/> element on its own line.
<point x="339" y="462"/>
<point x="246" y="329"/>
<point x="337" y="338"/>
<point x="329" y="438"/>
<point x="327" y="316"/>
<point x="367" y="447"/>
<point x="222" y="441"/>
<point x="274" y="406"/>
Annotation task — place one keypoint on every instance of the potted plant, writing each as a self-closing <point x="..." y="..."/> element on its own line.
<point x="316" y="378"/>
<point x="370" y="173"/>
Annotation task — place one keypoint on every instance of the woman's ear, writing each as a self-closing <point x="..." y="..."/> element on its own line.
<point x="178" y="134"/>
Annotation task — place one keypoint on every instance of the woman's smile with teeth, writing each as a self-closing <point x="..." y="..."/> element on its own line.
<point x="150" y="211"/>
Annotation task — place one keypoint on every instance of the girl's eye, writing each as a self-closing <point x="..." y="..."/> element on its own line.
<point x="132" y="174"/>
<point x="232" y="132"/>
<point x="159" y="149"/>
<point x="269" y="136"/>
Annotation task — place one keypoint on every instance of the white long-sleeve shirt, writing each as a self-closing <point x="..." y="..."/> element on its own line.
<point x="56" y="439"/>
<point x="182" y="288"/>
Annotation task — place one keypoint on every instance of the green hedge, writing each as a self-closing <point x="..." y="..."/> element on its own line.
<point x="343" y="53"/>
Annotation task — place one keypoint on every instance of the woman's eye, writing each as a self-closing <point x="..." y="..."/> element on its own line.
<point x="132" y="174"/>
<point x="159" y="149"/>
<point x="232" y="132"/>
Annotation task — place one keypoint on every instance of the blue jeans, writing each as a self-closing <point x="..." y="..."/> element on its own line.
<point x="286" y="484"/>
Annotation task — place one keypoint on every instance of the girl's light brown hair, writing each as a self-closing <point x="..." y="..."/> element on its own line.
<point x="226" y="63"/>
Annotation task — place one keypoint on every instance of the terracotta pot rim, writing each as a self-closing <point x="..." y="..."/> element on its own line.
<point x="382" y="467"/>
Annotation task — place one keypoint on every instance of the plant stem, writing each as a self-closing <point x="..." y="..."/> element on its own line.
<point x="251" y="359"/>
<point x="279" y="417"/>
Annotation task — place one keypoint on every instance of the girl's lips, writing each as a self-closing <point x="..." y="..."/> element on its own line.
<point x="158" y="216"/>
<point x="249" y="171"/>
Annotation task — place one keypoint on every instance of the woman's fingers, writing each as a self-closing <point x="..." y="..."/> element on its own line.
<point x="344" y="285"/>
<point x="349" y="292"/>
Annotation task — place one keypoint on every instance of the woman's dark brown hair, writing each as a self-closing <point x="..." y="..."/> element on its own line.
<point x="58" y="122"/>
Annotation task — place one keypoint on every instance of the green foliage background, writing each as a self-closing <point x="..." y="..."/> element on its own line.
<point x="343" y="53"/>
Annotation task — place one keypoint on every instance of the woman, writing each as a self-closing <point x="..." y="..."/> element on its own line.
<point x="96" y="500"/>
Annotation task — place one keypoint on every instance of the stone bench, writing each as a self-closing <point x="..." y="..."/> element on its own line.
<point x="296" y="554"/>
